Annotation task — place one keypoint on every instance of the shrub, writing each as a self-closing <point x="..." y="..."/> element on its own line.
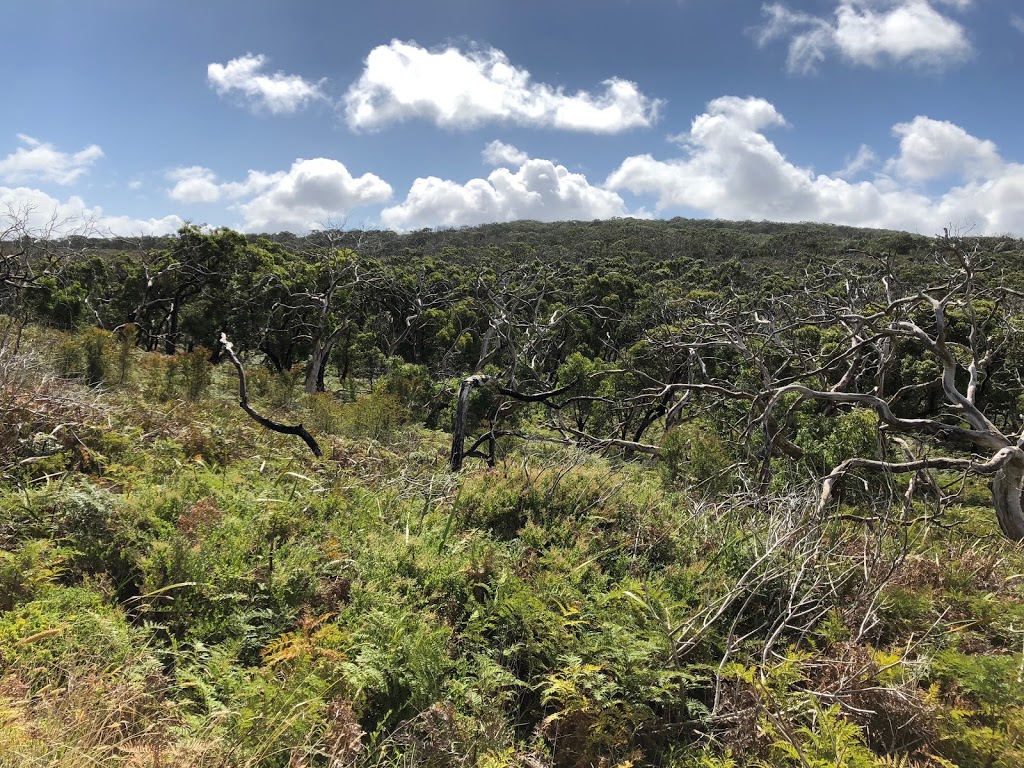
<point x="195" y="371"/>
<point x="377" y="416"/>
<point x="323" y="413"/>
<point x="88" y="355"/>
<point x="185" y="374"/>
<point x="694" y="456"/>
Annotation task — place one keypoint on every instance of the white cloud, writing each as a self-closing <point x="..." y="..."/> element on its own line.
<point x="863" y="160"/>
<point x="934" y="149"/>
<point x="870" y="33"/>
<point x="255" y="182"/>
<point x="1017" y="22"/>
<point x="40" y="161"/>
<point x="277" y="93"/>
<point x="730" y="169"/>
<point x="308" y="196"/>
<point x="457" y="89"/>
<point x="500" y="153"/>
<point x="194" y="184"/>
<point x="197" y="184"/>
<point x="539" y="190"/>
<point x="45" y="214"/>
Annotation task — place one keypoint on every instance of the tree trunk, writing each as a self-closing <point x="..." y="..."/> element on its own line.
<point x="318" y="361"/>
<point x="459" y="427"/>
<point x="243" y="400"/>
<point x="171" y="340"/>
<point x="1007" y="486"/>
<point x="346" y="359"/>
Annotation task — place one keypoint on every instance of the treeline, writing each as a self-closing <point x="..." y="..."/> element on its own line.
<point x="603" y="334"/>
<point x="355" y="298"/>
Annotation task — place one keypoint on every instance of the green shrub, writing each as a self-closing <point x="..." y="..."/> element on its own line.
<point x="323" y="413"/>
<point x="195" y="371"/>
<point x="97" y="532"/>
<point x="123" y="362"/>
<point x="71" y="624"/>
<point x="694" y="456"/>
<point x="185" y="375"/>
<point x="378" y="416"/>
<point x="88" y="354"/>
<point x="26" y="572"/>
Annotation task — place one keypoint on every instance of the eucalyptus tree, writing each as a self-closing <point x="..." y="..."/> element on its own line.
<point x="936" y="365"/>
<point x="36" y="252"/>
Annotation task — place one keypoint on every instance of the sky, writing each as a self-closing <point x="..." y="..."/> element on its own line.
<point x="132" y="117"/>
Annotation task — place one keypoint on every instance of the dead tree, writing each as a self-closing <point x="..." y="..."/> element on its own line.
<point x="773" y="360"/>
<point x="243" y="400"/>
<point x="965" y="360"/>
<point x="931" y="362"/>
<point x="459" y="452"/>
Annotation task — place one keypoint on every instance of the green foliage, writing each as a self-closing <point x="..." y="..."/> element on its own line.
<point x="185" y="375"/>
<point x="986" y="728"/>
<point x="179" y="586"/>
<point x="98" y="534"/>
<point x="832" y="742"/>
<point x="68" y="626"/>
<point x="27" y="572"/>
<point x="828" y="441"/>
<point x="694" y="456"/>
<point x="89" y="355"/>
<point x="377" y="416"/>
<point x="195" y="372"/>
<point x="399" y="661"/>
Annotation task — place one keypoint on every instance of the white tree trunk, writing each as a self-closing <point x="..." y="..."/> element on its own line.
<point x="1007" y="486"/>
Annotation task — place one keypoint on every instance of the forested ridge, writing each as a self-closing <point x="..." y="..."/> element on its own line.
<point x="627" y="492"/>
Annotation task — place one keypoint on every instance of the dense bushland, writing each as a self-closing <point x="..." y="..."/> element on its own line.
<point x="179" y="586"/>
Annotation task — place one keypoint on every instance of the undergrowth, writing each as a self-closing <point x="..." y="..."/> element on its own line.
<point x="179" y="587"/>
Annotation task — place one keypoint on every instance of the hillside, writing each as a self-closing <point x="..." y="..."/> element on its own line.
<point x="731" y="494"/>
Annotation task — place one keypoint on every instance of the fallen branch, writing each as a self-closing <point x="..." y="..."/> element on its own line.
<point x="243" y="400"/>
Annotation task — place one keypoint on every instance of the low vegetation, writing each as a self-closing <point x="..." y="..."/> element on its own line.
<point x="180" y="586"/>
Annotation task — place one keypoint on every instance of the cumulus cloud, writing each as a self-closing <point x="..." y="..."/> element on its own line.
<point x="312" y="193"/>
<point x="934" y="149"/>
<point x="730" y="169"/>
<point x="276" y="93"/>
<point x="539" y="190"/>
<point x="39" y="161"/>
<point x="305" y="197"/>
<point x="43" y="213"/>
<point x="500" y="153"/>
<point x="870" y="33"/>
<point x="194" y="184"/>
<point x="462" y="89"/>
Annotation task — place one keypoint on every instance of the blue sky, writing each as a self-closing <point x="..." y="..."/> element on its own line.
<point x="132" y="116"/>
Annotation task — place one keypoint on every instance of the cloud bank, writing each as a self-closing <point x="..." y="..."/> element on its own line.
<point x="307" y="196"/>
<point x="730" y="169"/>
<point x="37" y="161"/>
<point x="51" y="216"/>
<point x="539" y="190"/>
